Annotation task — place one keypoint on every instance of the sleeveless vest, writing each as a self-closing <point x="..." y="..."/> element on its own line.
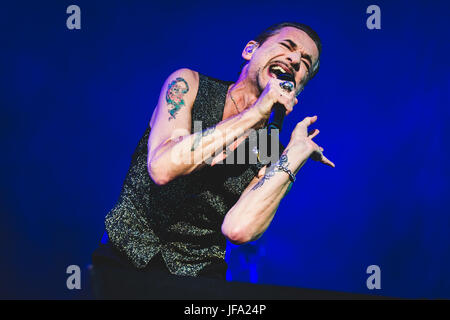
<point x="181" y="219"/>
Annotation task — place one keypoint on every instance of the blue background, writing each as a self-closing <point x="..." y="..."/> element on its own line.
<point x="74" y="104"/>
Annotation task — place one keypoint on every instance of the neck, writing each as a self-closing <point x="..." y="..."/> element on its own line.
<point x="244" y="92"/>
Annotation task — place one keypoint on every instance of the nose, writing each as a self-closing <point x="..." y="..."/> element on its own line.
<point x="295" y="58"/>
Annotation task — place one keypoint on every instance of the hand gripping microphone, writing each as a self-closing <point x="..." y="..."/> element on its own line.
<point x="279" y="111"/>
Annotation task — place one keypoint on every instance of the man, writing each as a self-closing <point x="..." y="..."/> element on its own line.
<point x="179" y="203"/>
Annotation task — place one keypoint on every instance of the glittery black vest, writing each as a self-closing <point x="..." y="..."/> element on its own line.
<point x="183" y="218"/>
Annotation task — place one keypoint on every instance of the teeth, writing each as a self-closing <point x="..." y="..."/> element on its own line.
<point x="279" y="69"/>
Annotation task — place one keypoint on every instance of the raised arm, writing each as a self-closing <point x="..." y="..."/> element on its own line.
<point x="172" y="150"/>
<point x="249" y="218"/>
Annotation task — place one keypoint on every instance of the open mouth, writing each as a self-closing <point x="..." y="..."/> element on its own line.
<point x="279" y="70"/>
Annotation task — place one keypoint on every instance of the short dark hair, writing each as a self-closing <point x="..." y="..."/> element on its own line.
<point x="274" y="29"/>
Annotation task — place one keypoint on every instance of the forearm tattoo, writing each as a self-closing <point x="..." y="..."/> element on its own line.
<point x="174" y="96"/>
<point x="199" y="135"/>
<point x="270" y="172"/>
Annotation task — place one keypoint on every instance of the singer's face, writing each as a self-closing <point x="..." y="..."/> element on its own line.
<point x="290" y="50"/>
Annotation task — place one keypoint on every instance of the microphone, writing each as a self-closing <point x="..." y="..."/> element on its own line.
<point x="279" y="111"/>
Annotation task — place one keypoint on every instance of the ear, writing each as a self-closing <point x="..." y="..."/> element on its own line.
<point x="249" y="49"/>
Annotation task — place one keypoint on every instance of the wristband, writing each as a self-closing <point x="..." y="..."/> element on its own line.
<point x="289" y="172"/>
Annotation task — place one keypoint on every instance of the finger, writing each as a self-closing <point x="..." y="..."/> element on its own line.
<point x="220" y="157"/>
<point x="320" y="148"/>
<point x="325" y="160"/>
<point x="287" y="87"/>
<point x="283" y="92"/>
<point x="308" y="121"/>
<point x="313" y="133"/>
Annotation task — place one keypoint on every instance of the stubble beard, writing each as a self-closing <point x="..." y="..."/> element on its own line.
<point x="258" y="82"/>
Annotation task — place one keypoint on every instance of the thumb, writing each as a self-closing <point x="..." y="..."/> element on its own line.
<point x="308" y="121"/>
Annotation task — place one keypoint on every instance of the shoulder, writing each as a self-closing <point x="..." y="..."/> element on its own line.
<point x="177" y="95"/>
<point x="184" y="76"/>
<point x="182" y="83"/>
<point x="193" y="79"/>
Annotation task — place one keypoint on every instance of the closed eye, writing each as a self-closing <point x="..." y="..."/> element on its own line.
<point x="307" y="65"/>
<point x="284" y="44"/>
<point x="304" y="61"/>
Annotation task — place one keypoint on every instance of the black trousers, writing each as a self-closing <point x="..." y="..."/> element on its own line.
<point x="114" y="277"/>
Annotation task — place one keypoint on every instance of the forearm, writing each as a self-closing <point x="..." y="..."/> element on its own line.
<point x="249" y="218"/>
<point x="190" y="152"/>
